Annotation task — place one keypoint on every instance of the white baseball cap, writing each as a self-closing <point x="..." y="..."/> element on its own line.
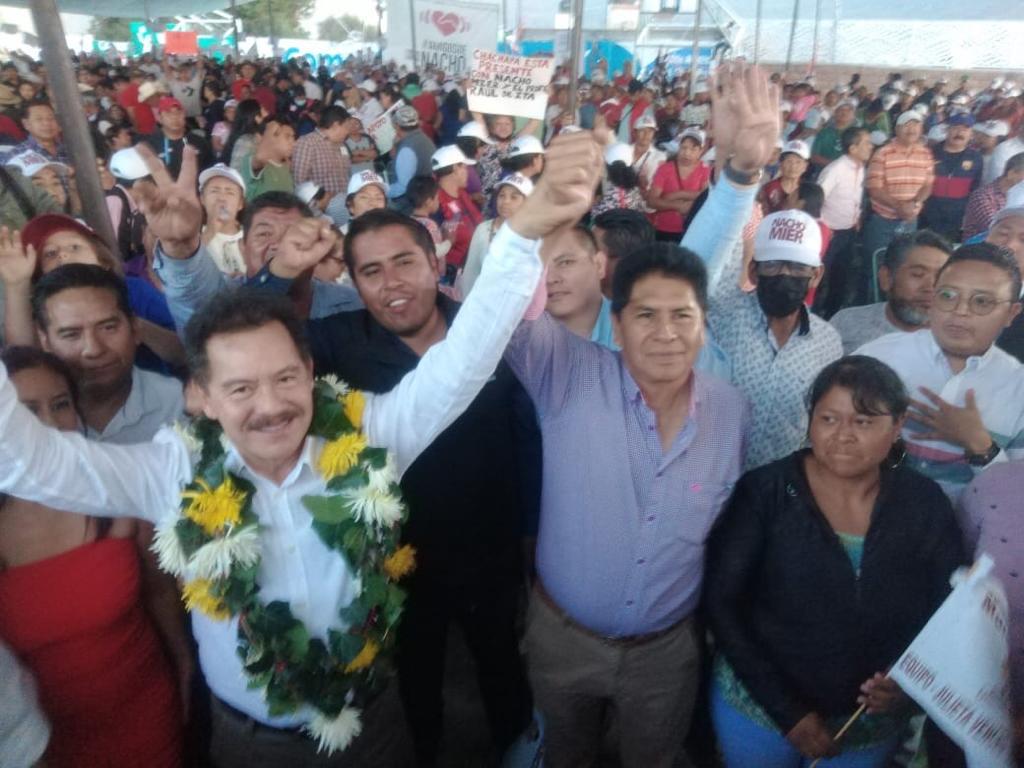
<point x="618" y="153"/>
<point x="430" y="85"/>
<point x="645" y="121"/>
<point x="31" y="162"/>
<point x="878" y="138"/>
<point x="995" y="128"/>
<point x="920" y="108"/>
<point x="150" y="88"/>
<point x="448" y="156"/>
<point x="960" y="99"/>
<point x="909" y="116"/>
<point x="128" y="164"/>
<point x="701" y="86"/>
<point x="797" y="147"/>
<point x="368" y="85"/>
<point x="693" y="133"/>
<point x="788" y="236"/>
<point x="938" y="132"/>
<point x="307" y="190"/>
<point x="365" y="179"/>
<point x="518" y="181"/>
<point x="474" y="130"/>
<point x="526" y="145"/>
<point x="224" y="172"/>
<point x="889" y="101"/>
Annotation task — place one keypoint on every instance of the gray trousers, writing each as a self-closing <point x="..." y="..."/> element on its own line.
<point x="239" y="742"/>
<point x="577" y="678"/>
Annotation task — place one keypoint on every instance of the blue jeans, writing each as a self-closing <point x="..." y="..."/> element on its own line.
<point x="746" y="744"/>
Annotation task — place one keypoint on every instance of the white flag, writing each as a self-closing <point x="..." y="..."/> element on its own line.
<point x="956" y="668"/>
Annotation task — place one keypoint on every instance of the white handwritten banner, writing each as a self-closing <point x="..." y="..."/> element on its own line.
<point x="510" y="85"/>
<point x="382" y="131"/>
<point x="956" y="668"/>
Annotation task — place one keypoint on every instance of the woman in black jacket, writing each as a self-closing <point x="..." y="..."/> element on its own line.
<point x="821" y="571"/>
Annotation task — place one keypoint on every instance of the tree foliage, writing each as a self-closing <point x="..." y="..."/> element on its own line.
<point x="119" y="30"/>
<point x="340" y="28"/>
<point x="275" y="18"/>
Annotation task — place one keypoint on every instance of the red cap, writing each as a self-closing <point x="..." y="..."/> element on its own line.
<point x="39" y="229"/>
<point x="168" y="103"/>
<point x="238" y="85"/>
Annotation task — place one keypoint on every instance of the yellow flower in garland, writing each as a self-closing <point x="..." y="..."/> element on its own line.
<point x="198" y="596"/>
<point x="353" y="404"/>
<point x="364" y="658"/>
<point x="213" y="508"/>
<point x="339" y="456"/>
<point x="401" y="563"/>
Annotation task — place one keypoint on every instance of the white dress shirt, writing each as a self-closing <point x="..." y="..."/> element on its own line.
<point x="63" y="469"/>
<point x="842" y="181"/>
<point x="24" y="732"/>
<point x="998" y="383"/>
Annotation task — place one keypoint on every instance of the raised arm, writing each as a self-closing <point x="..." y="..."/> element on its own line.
<point x="17" y="265"/>
<point x="64" y="470"/>
<point x="453" y="372"/>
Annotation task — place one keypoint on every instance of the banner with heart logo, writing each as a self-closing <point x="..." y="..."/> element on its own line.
<point x="510" y="85"/>
<point x="446" y="33"/>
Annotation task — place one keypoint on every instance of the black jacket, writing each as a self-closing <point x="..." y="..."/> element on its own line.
<point x="471" y="492"/>
<point x="797" y="624"/>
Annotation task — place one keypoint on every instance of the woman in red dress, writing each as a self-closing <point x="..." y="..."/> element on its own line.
<point x="72" y="606"/>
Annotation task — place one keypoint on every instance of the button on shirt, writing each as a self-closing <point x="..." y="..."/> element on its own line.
<point x="774" y="380"/>
<point x="998" y="383"/>
<point x="153" y="402"/>
<point x="623" y="524"/>
<point x="145" y="480"/>
<point x="842" y="181"/>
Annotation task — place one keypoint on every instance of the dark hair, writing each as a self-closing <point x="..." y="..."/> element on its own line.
<point x="812" y="196"/>
<point x="518" y="163"/>
<point x="17" y="359"/>
<point x="875" y="107"/>
<point x="333" y="114"/>
<point x="77" y="276"/>
<point x="247" y="120"/>
<point x="280" y="119"/>
<point x="1015" y="163"/>
<point x="468" y="144"/>
<point x="281" y="201"/>
<point x="875" y="388"/>
<point x="851" y="136"/>
<point x="623" y="176"/>
<point x="448" y="170"/>
<point x="35" y="103"/>
<point x="235" y="310"/>
<point x="899" y="246"/>
<point x="586" y="237"/>
<point x="625" y="230"/>
<point x="658" y="258"/>
<point x="378" y="219"/>
<point x="412" y="78"/>
<point x="987" y="253"/>
<point x="420" y="189"/>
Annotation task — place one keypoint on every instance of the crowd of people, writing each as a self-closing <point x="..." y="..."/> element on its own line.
<point x="691" y="402"/>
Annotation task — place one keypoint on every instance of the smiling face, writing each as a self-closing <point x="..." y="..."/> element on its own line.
<point x="396" y="279"/>
<point x="660" y="330"/>
<point x="87" y="330"/>
<point x="845" y="441"/>
<point x="369" y="198"/>
<point x="260" y="388"/>
<point x="959" y="332"/>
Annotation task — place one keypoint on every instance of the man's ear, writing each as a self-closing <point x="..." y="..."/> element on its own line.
<point x="601" y="258"/>
<point x="818" y="274"/>
<point x="885" y="279"/>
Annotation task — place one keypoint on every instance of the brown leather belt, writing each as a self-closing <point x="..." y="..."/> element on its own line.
<point x="626" y="641"/>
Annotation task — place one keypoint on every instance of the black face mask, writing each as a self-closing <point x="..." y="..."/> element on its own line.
<point x="781" y="295"/>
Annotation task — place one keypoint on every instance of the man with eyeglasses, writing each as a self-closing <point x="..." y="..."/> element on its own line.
<point x="967" y="410"/>
<point x="775" y="344"/>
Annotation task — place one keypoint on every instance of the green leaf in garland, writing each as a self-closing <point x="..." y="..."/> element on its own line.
<point x="327" y="509"/>
<point x="375" y="589"/>
<point x="354" y="543"/>
<point x="258" y="680"/>
<point x="394" y="604"/>
<point x="298" y="642"/>
<point x="190" y="535"/>
<point x="345" y="645"/>
<point x="355" y="613"/>
<point x="281" y="700"/>
<point x="377" y="457"/>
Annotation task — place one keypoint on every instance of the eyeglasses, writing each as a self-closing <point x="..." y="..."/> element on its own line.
<point x="773" y="268"/>
<point x="981" y="304"/>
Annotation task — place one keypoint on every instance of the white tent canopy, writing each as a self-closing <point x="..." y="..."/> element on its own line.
<point x="136" y="9"/>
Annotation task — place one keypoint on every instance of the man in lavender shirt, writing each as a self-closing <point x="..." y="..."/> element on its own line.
<point x="640" y="454"/>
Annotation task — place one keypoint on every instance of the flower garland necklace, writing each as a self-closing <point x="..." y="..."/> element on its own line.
<point x="212" y="543"/>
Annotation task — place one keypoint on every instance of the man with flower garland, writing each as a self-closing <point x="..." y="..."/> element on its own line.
<point x="286" y="532"/>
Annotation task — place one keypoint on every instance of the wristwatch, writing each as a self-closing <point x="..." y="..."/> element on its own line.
<point x="740" y="178"/>
<point x="983" y="459"/>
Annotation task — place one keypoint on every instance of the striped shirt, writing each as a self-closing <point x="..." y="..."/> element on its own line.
<point x="998" y="383"/>
<point x="901" y="172"/>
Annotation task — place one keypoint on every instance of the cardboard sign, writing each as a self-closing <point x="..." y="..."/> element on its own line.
<point x="382" y="131"/>
<point x="510" y="85"/>
<point x="182" y="43"/>
<point x="956" y="668"/>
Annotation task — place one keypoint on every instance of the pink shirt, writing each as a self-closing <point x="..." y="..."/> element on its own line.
<point x="667" y="180"/>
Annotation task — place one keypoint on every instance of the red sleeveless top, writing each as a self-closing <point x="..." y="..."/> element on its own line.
<point x="77" y="622"/>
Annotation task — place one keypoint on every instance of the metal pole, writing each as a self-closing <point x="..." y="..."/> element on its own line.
<point x="792" y="34"/>
<point x="412" y="32"/>
<point x="575" y="41"/>
<point x="73" y="123"/>
<point x="835" y="29"/>
<point x="695" y="55"/>
<point x="270" y="25"/>
<point x="757" y="33"/>
<point x="817" y="23"/>
<point x="234" y="25"/>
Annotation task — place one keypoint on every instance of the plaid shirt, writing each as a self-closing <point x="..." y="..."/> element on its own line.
<point x="318" y="160"/>
<point x="982" y="207"/>
<point x="900" y="172"/>
<point x="30" y="144"/>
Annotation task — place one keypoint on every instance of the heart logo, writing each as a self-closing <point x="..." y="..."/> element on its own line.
<point x="448" y="23"/>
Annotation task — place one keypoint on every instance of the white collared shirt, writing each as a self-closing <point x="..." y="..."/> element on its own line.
<point x="69" y="472"/>
<point x="998" y="383"/>
<point x="153" y="402"/>
<point x="842" y="181"/>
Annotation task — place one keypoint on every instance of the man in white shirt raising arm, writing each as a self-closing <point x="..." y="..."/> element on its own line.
<point x="251" y="361"/>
